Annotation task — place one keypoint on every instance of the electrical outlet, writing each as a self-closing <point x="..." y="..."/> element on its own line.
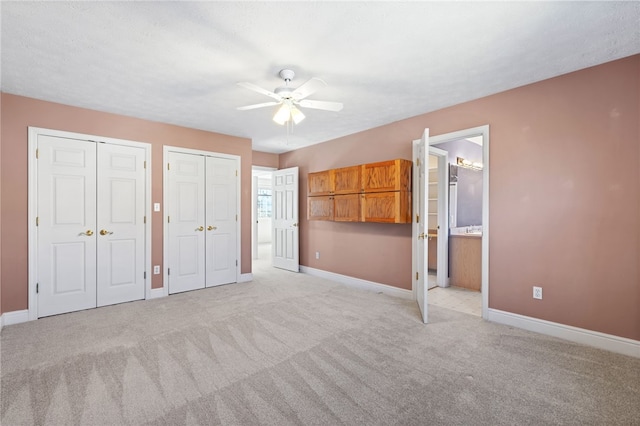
<point x="156" y="269"/>
<point x="537" y="292"/>
<point x="317" y="255"/>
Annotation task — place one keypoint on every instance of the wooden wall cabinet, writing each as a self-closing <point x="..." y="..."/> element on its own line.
<point x="320" y="208"/>
<point x="375" y="192"/>
<point x="320" y="183"/>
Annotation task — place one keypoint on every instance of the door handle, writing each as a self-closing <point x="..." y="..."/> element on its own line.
<point x="295" y="224"/>
<point x="88" y="233"/>
<point x="105" y="232"/>
<point x="211" y="228"/>
<point x="200" y="228"/>
<point x="421" y="236"/>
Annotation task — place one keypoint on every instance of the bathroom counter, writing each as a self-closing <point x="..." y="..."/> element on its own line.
<point x="465" y="261"/>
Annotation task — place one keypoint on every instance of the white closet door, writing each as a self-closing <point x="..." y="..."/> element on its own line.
<point x="67" y="225"/>
<point x="121" y="230"/>
<point x="186" y="178"/>
<point x="222" y="217"/>
<point x="285" y="219"/>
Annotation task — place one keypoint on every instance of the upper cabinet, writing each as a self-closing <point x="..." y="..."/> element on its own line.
<point x="375" y="192"/>
<point x="347" y="180"/>
<point x="394" y="175"/>
<point x="321" y="183"/>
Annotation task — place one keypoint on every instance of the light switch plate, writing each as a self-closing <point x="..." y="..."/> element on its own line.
<point x="156" y="269"/>
<point x="156" y="207"/>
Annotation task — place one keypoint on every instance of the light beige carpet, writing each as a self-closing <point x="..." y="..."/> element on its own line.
<point x="293" y="349"/>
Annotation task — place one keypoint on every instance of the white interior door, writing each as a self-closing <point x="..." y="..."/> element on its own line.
<point x="120" y="231"/>
<point x="221" y="221"/>
<point x="66" y="257"/>
<point x="421" y="246"/>
<point x="186" y="221"/>
<point x="285" y="244"/>
<point x="443" y="214"/>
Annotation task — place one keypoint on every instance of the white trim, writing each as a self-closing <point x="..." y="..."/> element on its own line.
<point x="245" y="278"/>
<point x="33" y="133"/>
<point x="359" y="283"/>
<point x="165" y="197"/>
<point x="156" y="293"/>
<point x="463" y="134"/>
<point x="583" y="336"/>
<point x="15" y="317"/>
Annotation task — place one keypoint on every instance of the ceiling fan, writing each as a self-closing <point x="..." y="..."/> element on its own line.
<point x="290" y="98"/>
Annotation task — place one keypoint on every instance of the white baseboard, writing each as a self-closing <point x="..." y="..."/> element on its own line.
<point x="245" y="278"/>
<point x="156" y="292"/>
<point x="358" y="283"/>
<point x="15" y="317"/>
<point x="596" y="339"/>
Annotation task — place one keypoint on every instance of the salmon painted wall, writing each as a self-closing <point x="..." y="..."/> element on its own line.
<point x="265" y="159"/>
<point x="18" y="113"/>
<point x="564" y="198"/>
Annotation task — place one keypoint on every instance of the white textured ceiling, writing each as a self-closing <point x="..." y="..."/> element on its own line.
<point x="179" y="62"/>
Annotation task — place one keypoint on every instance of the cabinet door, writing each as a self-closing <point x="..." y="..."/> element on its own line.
<point x="346" y="208"/>
<point x="321" y="183"/>
<point x="388" y="207"/>
<point x="320" y="208"/>
<point x="393" y="175"/>
<point x="347" y="180"/>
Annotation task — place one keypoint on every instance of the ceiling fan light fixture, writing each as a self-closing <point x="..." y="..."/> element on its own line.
<point x="296" y="115"/>
<point x="283" y="114"/>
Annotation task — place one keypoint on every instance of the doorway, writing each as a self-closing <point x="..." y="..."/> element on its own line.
<point x="477" y="232"/>
<point x="262" y="213"/>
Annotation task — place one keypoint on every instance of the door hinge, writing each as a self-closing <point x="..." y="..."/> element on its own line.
<point x="417" y="276"/>
<point x="417" y="218"/>
<point x="418" y="162"/>
<point x="236" y="173"/>
<point x="236" y="218"/>
<point x="37" y="221"/>
<point x="168" y="271"/>
<point x="36" y="153"/>
<point x="37" y="288"/>
<point x="236" y="263"/>
<point x="168" y="168"/>
<point x="168" y="219"/>
<point x="144" y="220"/>
<point x="145" y="275"/>
<point x="145" y="164"/>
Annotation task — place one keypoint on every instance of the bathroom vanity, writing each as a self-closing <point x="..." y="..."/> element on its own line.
<point x="465" y="260"/>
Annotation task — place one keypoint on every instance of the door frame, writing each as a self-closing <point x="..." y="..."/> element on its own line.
<point x="462" y="134"/>
<point x="254" y="207"/>
<point x="165" y="197"/>
<point x="33" y="133"/>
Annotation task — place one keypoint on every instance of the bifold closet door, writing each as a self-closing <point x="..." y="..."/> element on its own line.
<point x="120" y="225"/>
<point x="66" y="225"/>
<point x="186" y="221"/>
<point x="221" y="221"/>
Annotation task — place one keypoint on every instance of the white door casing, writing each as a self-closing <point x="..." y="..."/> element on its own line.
<point x="120" y="227"/>
<point x="186" y="220"/>
<point x="286" y="231"/>
<point x="221" y="219"/>
<point x="420" y="229"/>
<point x="66" y="237"/>
<point x="443" y="228"/>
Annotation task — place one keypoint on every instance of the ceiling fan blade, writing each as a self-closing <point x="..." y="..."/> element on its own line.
<point x="259" y="89"/>
<point x="266" y="104"/>
<point x="328" y="106"/>
<point x="308" y="88"/>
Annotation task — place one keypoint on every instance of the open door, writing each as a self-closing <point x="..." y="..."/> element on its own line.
<point x="420" y="246"/>
<point x="285" y="220"/>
